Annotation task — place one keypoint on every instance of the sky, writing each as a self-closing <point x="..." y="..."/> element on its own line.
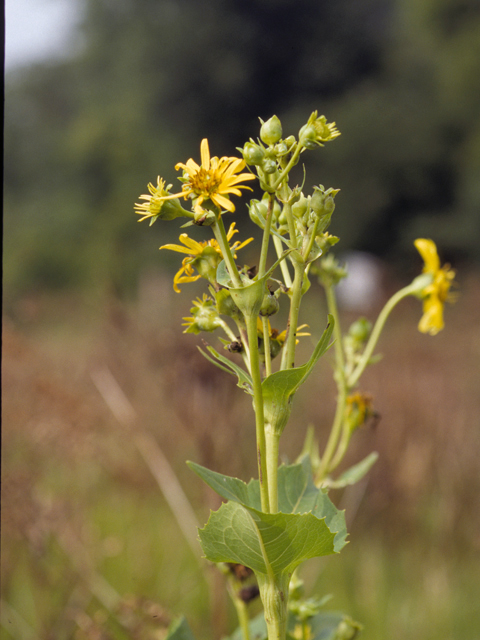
<point x="36" y="30"/>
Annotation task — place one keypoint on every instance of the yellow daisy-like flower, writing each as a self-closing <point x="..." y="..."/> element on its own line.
<point x="437" y="292"/>
<point x="159" y="204"/>
<point x="215" y="179"/>
<point x="204" y="255"/>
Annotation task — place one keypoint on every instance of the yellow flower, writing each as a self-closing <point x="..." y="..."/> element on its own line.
<point x="204" y="255"/>
<point x="436" y="293"/>
<point x="215" y="179"/>
<point x="156" y="205"/>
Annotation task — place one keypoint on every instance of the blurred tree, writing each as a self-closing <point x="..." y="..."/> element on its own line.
<point x="83" y="137"/>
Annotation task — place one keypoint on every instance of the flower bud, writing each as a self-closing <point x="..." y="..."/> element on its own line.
<point x="290" y="141"/>
<point x="253" y="153"/>
<point x="300" y="207"/>
<point x="204" y="218"/>
<point x="258" y="211"/>
<point x="281" y="149"/>
<point x="270" y="305"/>
<point x="269" y="165"/>
<point x="226" y="306"/>
<point x="271" y="130"/>
<point x="360" y="330"/>
<point x="204" y="316"/>
<point x="307" y="136"/>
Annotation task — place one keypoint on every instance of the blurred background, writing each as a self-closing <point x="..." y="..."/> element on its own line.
<point x="100" y="387"/>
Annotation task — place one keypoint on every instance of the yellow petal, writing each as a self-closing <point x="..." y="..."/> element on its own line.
<point x="428" y="251"/>
<point x="205" y="154"/>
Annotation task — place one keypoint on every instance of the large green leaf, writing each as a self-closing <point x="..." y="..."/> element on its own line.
<point x="296" y="494"/>
<point x="270" y="544"/>
<point x="279" y="387"/>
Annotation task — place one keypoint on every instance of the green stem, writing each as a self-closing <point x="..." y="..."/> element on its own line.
<point x="286" y="171"/>
<point x="287" y="278"/>
<point x="221" y="237"/>
<point x="272" y="444"/>
<point x="377" y="330"/>
<point x="342" y="387"/>
<point x="288" y="356"/>
<point x="251" y="322"/>
<point x="274" y="595"/>
<point x="242" y="613"/>
<point x="311" y="239"/>
<point x="342" y="447"/>
<point x="266" y="238"/>
<point x="266" y="345"/>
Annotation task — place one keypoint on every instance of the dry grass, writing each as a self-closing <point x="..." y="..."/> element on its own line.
<point x="76" y="490"/>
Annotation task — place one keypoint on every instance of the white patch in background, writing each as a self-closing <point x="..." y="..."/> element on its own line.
<point x="362" y="288"/>
<point x="36" y="30"/>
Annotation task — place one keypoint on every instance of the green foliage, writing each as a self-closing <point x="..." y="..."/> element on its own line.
<point x="81" y="135"/>
<point x="308" y="525"/>
<point x="279" y="388"/>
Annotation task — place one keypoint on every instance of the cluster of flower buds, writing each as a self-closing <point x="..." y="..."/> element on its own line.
<point x="271" y="153"/>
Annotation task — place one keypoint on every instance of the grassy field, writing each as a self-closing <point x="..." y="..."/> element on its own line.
<point x="95" y="402"/>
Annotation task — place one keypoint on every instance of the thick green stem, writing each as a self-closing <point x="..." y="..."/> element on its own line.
<point x="274" y="595"/>
<point x="272" y="443"/>
<point x="221" y="237"/>
<point x="251" y="322"/>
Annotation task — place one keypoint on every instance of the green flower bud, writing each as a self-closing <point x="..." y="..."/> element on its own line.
<point x="281" y="149"/>
<point x="204" y="218"/>
<point x="307" y="136"/>
<point x="316" y="131"/>
<point x="270" y="305"/>
<point x="323" y="205"/>
<point x="226" y="306"/>
<point x="360" y="330"/>
<point x="207" y="262"/>
<point x="258" y="210"/>
<point x="253" y="153"/>
<point x="204" y="316"/>
<point x="290" y="141"/>
<point x="300" y="207"/>
<point x="271" y="130"/>
<point x="269" y="165"/>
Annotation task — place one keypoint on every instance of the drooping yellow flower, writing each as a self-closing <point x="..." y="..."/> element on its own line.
<point x="205" y="256"/>
<point x="436" y="293"/>
<point x="215" y="179"/>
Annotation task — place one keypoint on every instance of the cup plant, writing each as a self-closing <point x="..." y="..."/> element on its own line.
<point x="271" y="525"/>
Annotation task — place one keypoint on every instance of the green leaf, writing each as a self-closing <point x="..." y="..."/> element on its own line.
<point x="279" y="387"/>
<point x="244" y="379"/>
<point x="269" y="543"/>
<point x="180" y="630"/>
<point x="354" y="474"/>
<point x="331" y="625"/>
<point x="296" y="494"/>
<point x="230" y="488"/>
